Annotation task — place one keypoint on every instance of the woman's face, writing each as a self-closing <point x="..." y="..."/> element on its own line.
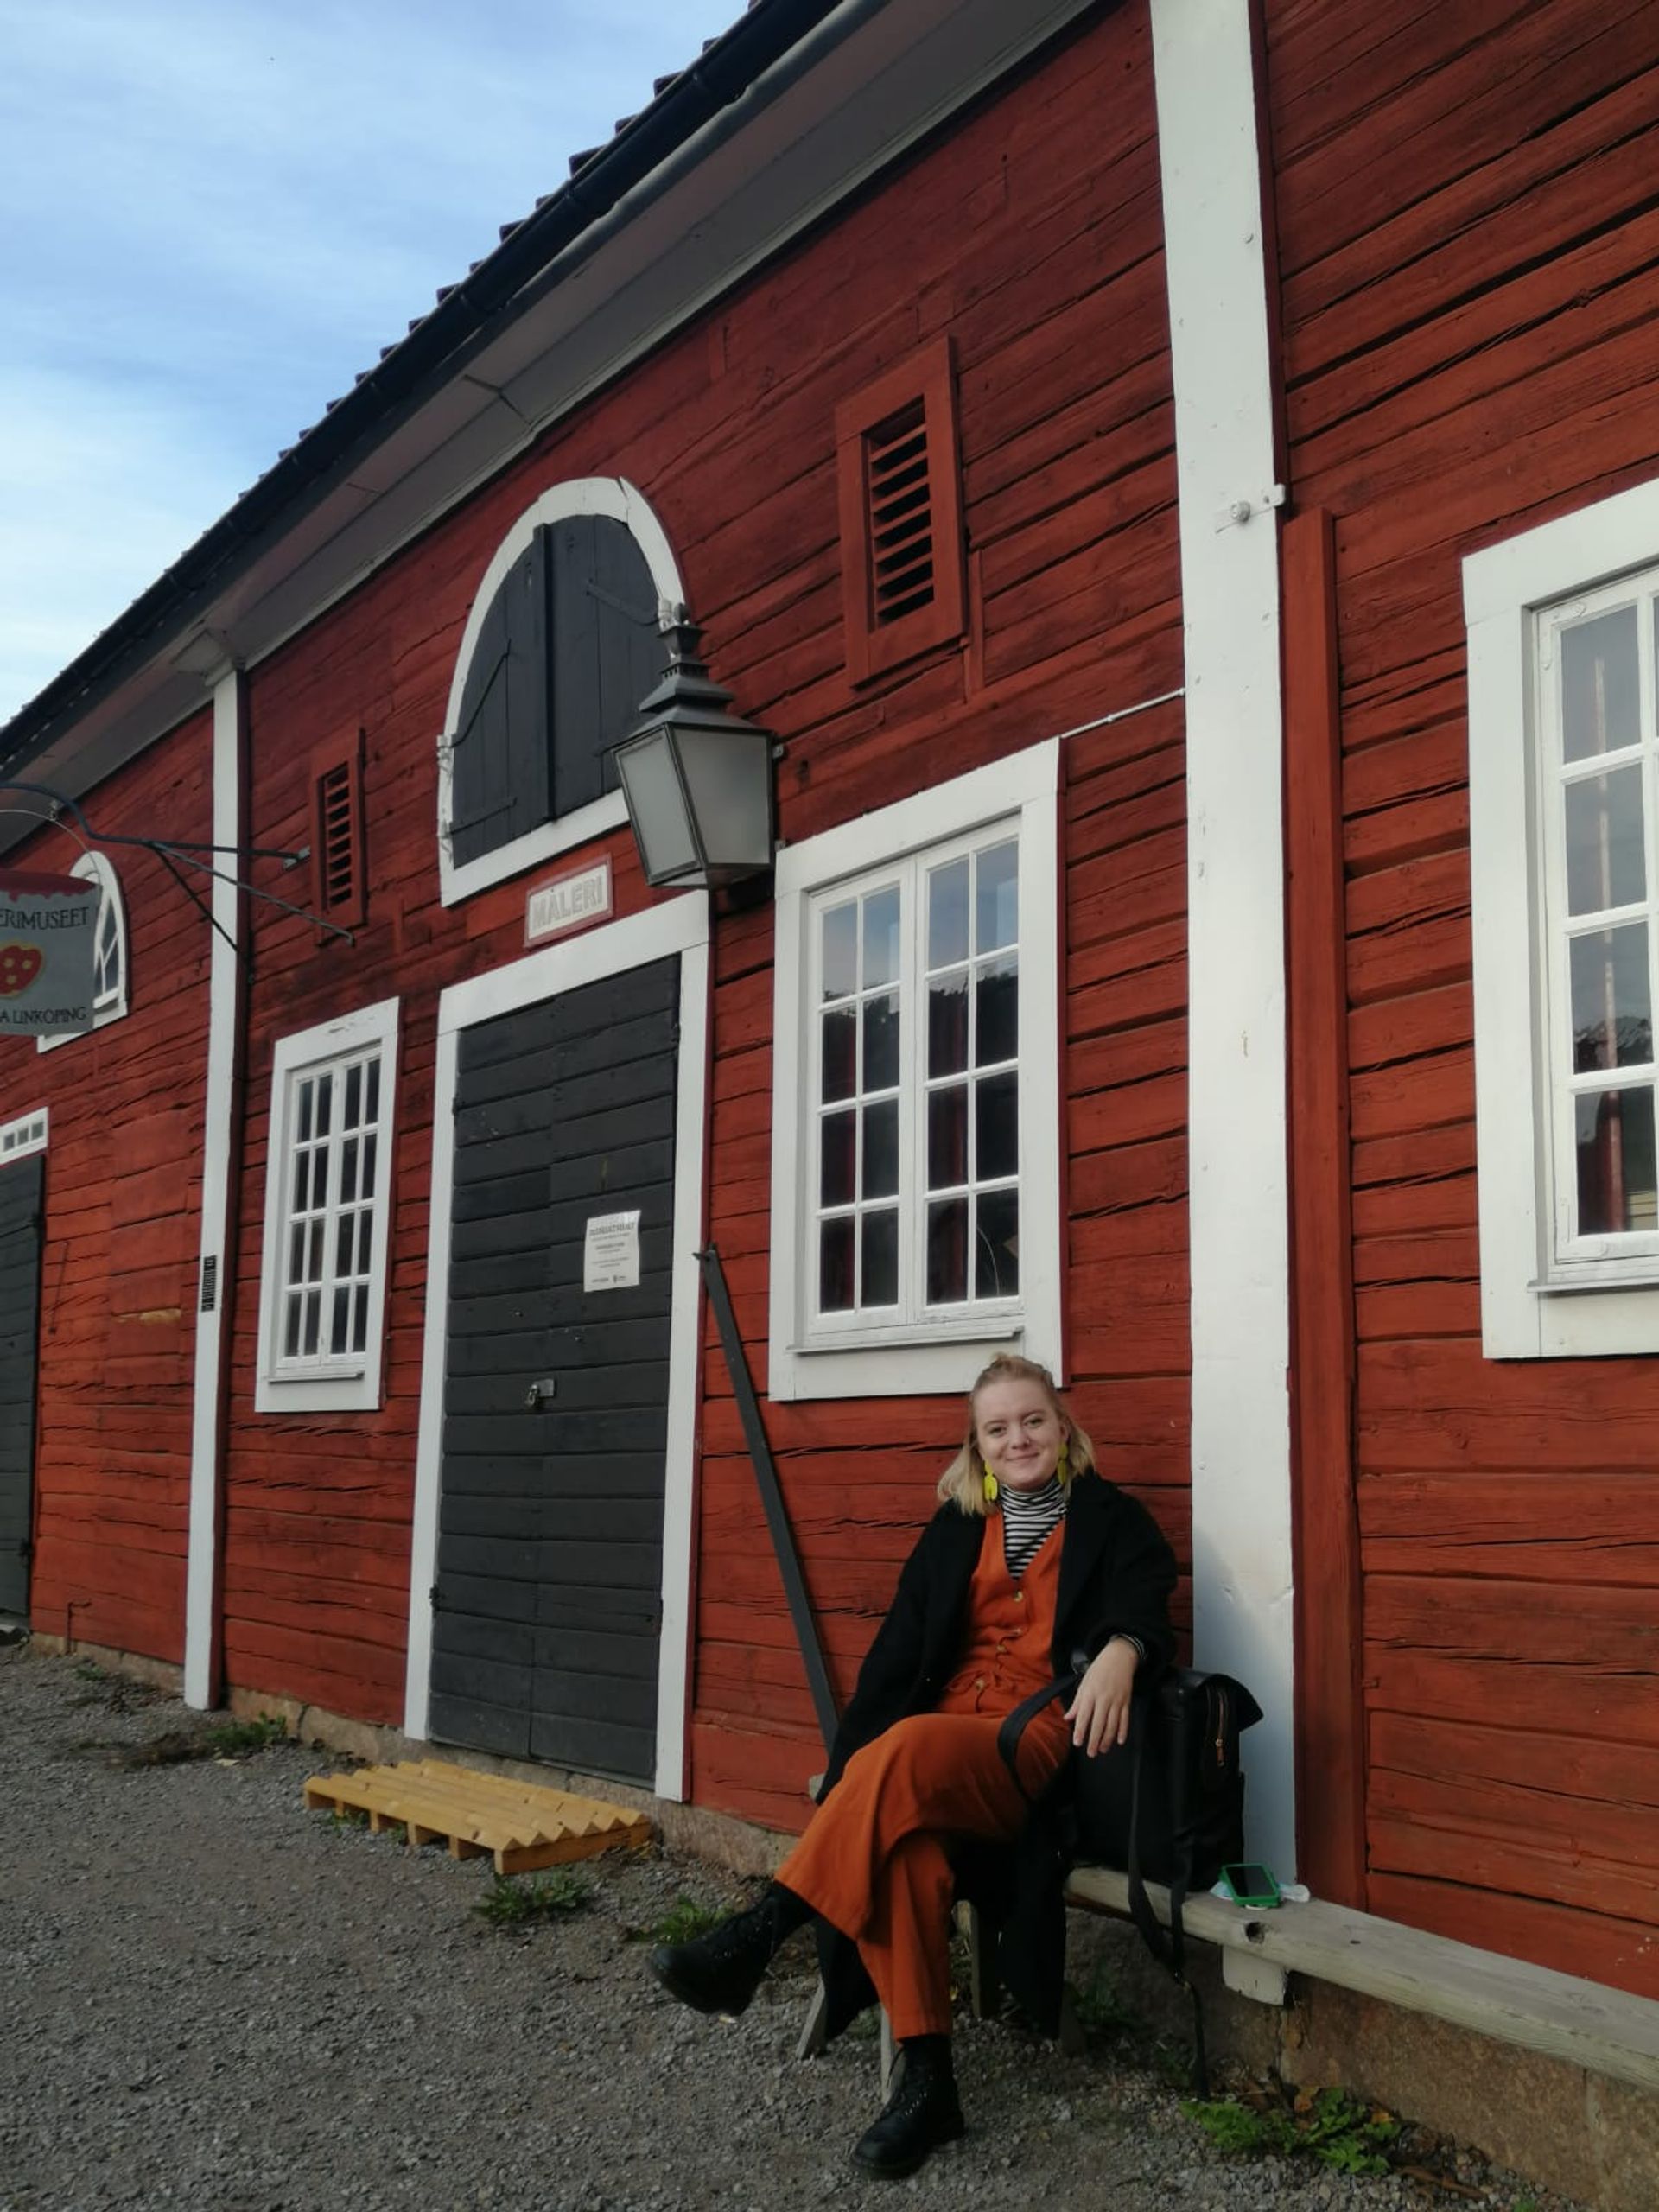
<point x="1020" y="1433"/>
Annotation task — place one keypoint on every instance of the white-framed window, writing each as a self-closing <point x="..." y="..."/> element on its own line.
<point x="565" y="637"/>
<point x="916" y="1129"/>
<point x="26" y="1134"/>
<point x="327" y="1214"/>
<point x="1564" y="856"/>
<point x="109" y="950"/>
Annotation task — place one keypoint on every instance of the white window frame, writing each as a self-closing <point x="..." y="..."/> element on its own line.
<point x="351" y="1383"/>
<point x="1534" y="1303"/>
<point x="863" y="1357"/>
<point x="28" y="1133"/>
<point x="95" y="868"/>
<point x="607" y="496"/>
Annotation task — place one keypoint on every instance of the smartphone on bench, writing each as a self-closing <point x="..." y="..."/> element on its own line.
<point x="1251" y="1884"/>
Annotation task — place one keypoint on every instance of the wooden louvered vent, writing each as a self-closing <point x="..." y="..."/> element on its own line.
<point x="901" y="515"/>
<point x="337" y="855"/>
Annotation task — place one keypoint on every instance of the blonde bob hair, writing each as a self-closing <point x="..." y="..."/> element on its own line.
<point x="962" y="1483"/>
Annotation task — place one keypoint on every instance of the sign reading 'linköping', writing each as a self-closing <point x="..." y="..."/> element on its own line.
<point x="48" y="939"/>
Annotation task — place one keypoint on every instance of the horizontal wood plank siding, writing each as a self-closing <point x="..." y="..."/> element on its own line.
<point x="118" y="1263"/>
<point x="1469" y="246"/>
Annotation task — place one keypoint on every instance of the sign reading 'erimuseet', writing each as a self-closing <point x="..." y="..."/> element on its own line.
<point x="48" y="937"/>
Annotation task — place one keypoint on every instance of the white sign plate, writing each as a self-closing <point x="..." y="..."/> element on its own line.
<point x="568" y="902"/>
<point x="610" y="1255"/>
<point x="48" y="930"/>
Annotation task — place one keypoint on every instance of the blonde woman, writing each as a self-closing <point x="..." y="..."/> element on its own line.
<point x="1032" y="1560"/>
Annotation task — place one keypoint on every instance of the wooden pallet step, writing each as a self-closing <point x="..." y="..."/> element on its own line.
<point x="522" y="1826"/>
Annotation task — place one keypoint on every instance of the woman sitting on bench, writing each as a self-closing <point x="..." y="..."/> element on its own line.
<point x="1031" y="1559"/>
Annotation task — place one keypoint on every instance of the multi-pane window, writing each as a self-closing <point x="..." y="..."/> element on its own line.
<point x="333" y="1180"/>
<point x="1597" y="789"/>
<point x="322" y="1294"/>
<point x="916" y="1088"/>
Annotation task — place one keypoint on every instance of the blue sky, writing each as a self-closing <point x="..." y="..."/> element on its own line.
<point x="212" y="216"/>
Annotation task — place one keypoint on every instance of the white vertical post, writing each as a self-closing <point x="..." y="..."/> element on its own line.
<point x="1222" y="376"/>
<point x="220" y="1149"/>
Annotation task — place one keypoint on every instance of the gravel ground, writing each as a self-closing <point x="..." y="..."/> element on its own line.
<point x="211" y="1998"/>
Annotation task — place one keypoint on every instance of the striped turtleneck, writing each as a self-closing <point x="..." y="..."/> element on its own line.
<point x="1028" y="1516"/>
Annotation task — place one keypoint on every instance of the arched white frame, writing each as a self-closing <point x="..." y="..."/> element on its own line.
<point x="108" y="952"/>
<point x="607" y="496"/>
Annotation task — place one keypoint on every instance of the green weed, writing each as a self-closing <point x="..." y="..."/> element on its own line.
<point x="683" y="1921"/>
<point x="1101" y="2012"/>
<point x="239" y="1739"/>
<point x="1328" y="2125"/>
<point x="509" y="1903"/>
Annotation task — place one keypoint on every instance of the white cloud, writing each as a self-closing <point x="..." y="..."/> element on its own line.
<point x="212" y="216"/>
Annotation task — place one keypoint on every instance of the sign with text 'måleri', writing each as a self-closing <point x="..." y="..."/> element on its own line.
<point x="48" y="936"/>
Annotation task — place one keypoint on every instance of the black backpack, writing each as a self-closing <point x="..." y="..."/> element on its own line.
<point x="1169" y="1806"/>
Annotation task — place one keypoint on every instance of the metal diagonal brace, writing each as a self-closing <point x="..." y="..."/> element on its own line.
<point x="771" y="1496"/>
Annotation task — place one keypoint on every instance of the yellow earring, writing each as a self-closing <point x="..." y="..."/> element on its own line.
<point x="990" y="1489"/>
<point x="1062" y="1466"/>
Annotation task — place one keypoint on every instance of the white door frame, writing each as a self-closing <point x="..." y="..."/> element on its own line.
<point x="680" y="926"/>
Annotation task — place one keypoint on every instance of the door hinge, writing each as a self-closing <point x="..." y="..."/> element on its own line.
<point x="433" y="1599"/>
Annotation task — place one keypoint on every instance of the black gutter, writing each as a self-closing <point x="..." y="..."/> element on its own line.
<point x="414" y="366"/>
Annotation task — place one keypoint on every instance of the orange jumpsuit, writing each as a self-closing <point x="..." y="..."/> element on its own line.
<point x="874" y="1860"/>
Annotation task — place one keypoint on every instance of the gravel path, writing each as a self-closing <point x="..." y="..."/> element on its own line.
<point x="211" y="1998"/>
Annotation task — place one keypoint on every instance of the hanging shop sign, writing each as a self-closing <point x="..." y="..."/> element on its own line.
<point x="49" y="940"/>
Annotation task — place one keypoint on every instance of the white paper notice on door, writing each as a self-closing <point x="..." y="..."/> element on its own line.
<point x="610" y="1256"/>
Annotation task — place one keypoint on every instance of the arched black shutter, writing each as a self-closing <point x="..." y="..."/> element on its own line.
<point x="500" y="786"/>
<point x="608" y="650"/>
<point x="569" y="646"/>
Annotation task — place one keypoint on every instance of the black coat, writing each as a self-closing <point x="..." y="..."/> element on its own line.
<point x="1116" y="1575"/>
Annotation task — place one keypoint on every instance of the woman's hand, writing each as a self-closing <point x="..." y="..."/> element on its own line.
<point x="1099" y="1714"/>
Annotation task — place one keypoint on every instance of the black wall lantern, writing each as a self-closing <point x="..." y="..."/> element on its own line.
<point x="698" y="778"/>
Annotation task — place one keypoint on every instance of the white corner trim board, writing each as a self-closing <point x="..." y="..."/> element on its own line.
<point x="217" y="1141"/>
<point x="1222" y="370"/>
<point x="678" y="926"/>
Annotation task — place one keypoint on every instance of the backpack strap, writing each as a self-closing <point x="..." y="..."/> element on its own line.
<point x="1169" y="1950"/>
<point x="1015" y="1725"/>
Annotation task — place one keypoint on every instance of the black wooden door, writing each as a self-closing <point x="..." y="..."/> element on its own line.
<point x="22" y="1184"/>
<point x="549" y="1599"/>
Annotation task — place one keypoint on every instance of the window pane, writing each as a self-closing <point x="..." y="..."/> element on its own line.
<point x="371" y="1104"/>
<point x="997" y="1113"/>
<point x="996" y="1245"/>
<point x="947" y="1252"/>
<point x="881" y="937"/>
<point x="997" y="1013"/>
<point x="947" y="914"/>
<point x="325" y="1103"/>
<point x="1616" y="1161"/>
<point x="364" y="1229"/>
<point x="312" y="1317"/>
<point x="360" y="1318"/>
<point x="881" y="1042"/>
<point x="996" y="906"/>
<point x="840" y="951"/>
<point x="947" y="1024"/>
<point x="338" y="1333"/>
<point x="880" y="1234"/>
<point x="344" y="1245"/>
<point x="348" y="1171"/>
<point x="947" y="1137"/>
<point x="839" y="1030"/>
<point x="1605" y="860"/>
<point x="370" y="1144"/>
<point x="314" y="1257"/>
<point x="836" y="1265"/>
<point x="881" y="1151"/>
<point x="292" y="1332"/>
<point x="303" y="1126"/>
<point x="1598" y="685"/>
<point x="1612" y="1020"/>
<point x="296" y="1253"/>
<point x="837" y="1148"/>
<point x="353" y="1097"/>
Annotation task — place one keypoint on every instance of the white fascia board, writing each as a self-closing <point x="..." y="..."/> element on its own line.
<point x="1209" y="144"/>
<point x="224" y="1022"/>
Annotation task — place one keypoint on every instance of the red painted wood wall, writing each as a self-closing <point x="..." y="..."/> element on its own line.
<point x="122" y="1236"/>
<point x="1468" y="263"/>
<point x="1032" y="234"/>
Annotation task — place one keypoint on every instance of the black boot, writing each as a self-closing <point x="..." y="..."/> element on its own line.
<point x="720" y="1972"/>
<point x="922" y="2112"/>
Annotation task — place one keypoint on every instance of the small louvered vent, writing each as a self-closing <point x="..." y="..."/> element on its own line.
<point x="899" y="494"/>
<point x="338" y="887"/>
<point x="901" y="515"/>
<point x="337" y="836"/>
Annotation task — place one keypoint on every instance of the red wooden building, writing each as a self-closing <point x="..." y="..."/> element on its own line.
<point x="1178" y="484"/>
